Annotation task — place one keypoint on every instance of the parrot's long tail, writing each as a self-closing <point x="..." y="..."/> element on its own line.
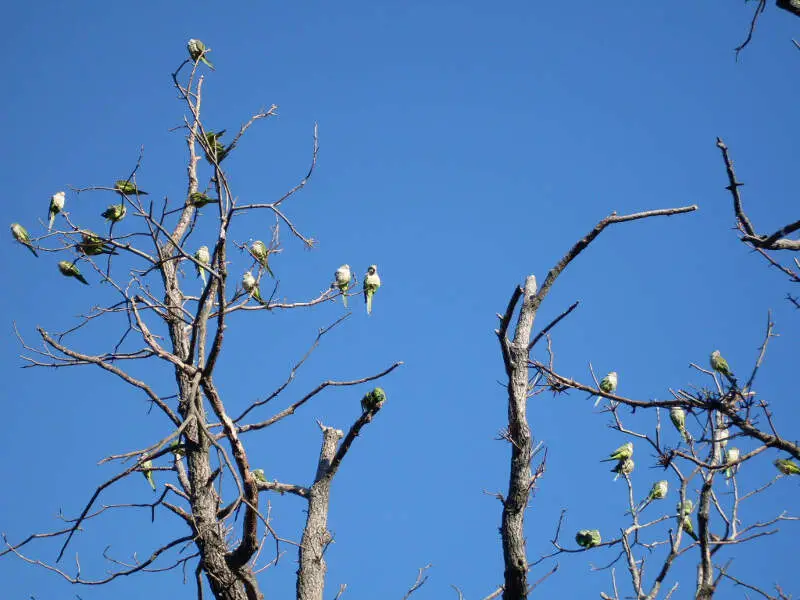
<point x="369" y="303"/>
<point x="344" y="297"/>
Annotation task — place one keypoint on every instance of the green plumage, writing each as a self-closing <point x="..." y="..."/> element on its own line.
<point x="202" y="256"/>
<point x="93" y="245"/>
<point x="623" y="467"/>
<point x="787" y="467"/>
<point x="115" y="212"/>
<point x="260" y="252"/>
<point x="588" y="538"/>
<point x="199" y="199"/>
<point x="57" y="202"/>
<point x="342" y="278"/>
<point x="69" y="269"/>
<point x="621" y="453"/>
<point x="197" y="50"/>
<point x="215" y="150"/>
<point x="128" y="188"/>
<point x="731" y="455"/>
<point x="250" y="286"/>
<point x="147" y="471"/>
<point x="21" y="235"/>
<point x="371" y="284"/>
<point x="678" y="417"/>
<point x="373" y="400"/>
<point x="657" y="492"/>
<point x="258" y="475"/>
<point x="177" y="448"/>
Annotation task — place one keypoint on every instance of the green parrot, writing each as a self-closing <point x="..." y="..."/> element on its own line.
<point x="371" y="284"/>
<point x="688" y="527"/>
<point x="115" y="212"/>
<point x="250" y="286"/>
<point x="177" y="449"/>
<point x="657" y="492"/>
<point x="678" y="417"/>
<point x="588" y="538"/>
<point x="621" y="453"/>
<point x="787" y="467"/>
<point x="687" y="508"/>
<point x="199" y="199"/>
<point x="69" y="269"/>
<point x="720" y="365"/>
<point x="608" y="384"/>
<point x="92" y="245"/>
<point x="261" y="254"/>
<point x="258" y="475"/>
<point x="342" y="279"/>
<point x="57" y="202"/>
<point x="731" y="455"/>
<point x="128" y="188"/>
<point x="147" y="471"/>
<point x="623" y="467"/>
<point x="373" y="400"/>
<point x="684" y="514"/>
<point x="197" y="50"/>
<point x="202" y="256"/>
<point x="21" y="235"/>
<point x="216" y="149"/>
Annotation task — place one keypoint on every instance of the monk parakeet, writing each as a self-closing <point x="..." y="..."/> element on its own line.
<point x="258" y="475"/>
<point x="721" y="435"/>
<point x="251" y="286"/>
<point x="787" y="467"/>
<point x="731" y="455"/>
<point x="202" y="256"/>
<point x="147" y="471"/>
<point x="657" y="492"/>
<point x="343" y="277"/>
<point x="216" y="149"/>
<point x="588" y="538"/>
<point x="21" y="235"/>
<point x="196" y="52"/>
<point x="115" y="212"/>
<point x="623" y="467"/>
<point x="678" y="417"/>
<point x="177" y="448"/>
<point x="621" y="453"/>
<point x="371" y="284"/>
<point x="372" y="401"/>
<point x="69" y="269"/>
<point x="608" y="384"/>
<point x="92" y="245"/>
<point x="199" y="199"/>
<point x="720" y="365"/>
<point x="688" y="527"/>
<point x="686" y="508"/>
<point x="128" y="188"/>
<point x="57" y="201"/>
<point x="261" y="254"/>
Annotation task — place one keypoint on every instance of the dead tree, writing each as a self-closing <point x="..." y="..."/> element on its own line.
<point x="143" y="260"/>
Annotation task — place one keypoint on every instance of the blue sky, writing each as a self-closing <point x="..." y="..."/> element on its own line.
<point x="463" y="145"/>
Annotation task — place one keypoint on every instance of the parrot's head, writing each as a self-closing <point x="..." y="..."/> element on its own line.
<point x="372" y="270"/>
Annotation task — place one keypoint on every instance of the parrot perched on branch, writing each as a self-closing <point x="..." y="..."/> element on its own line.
<point x="608" y="384"/>
<point x="678" y="417"/>
<point x="260" y="252"/>
<point x="92" y="245"/>
<point x="731" y="455"/>
<point x="258" y="475"/>
<point x="588" y="538"/>
<point x="199" y="199"/>
<point x="69" y="269"/>
<point x="373" y="400"/>
<point x="115" y="212"/>
<point x="623" y="467"/>
<point x="197" y="51"/>
<point x="202" y="256"/>
<point x="720" y="365"/>
<point x="684" y="513"/>
<point x="147" y="471"/>
<point x="21" y="235"/>
<point x="128" y="188"/>
<point x="657" y="492"/>
<point x="621" y="453"/>
<point x="371" y="284"/>
<point x="216" y="150"/>
<point x="251" y="286"/>
<point x="57" y="202"/>
<point x="342" y="279"/>
<point x="787" y="467"/>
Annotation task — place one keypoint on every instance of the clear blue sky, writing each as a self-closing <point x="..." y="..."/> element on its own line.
<point x="464" y="145"/>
